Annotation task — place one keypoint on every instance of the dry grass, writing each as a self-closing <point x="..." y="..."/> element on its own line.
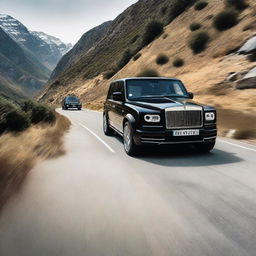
<point x="20" y="151"/>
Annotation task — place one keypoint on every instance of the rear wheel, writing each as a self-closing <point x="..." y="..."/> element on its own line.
<point x="205" y="147"/>
<point x="129" y="145"/>
<point x="106" y="128"/>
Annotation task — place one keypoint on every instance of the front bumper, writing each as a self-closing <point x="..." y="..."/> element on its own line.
<point x="206" y="134"/>
<point x="73" y="106"/>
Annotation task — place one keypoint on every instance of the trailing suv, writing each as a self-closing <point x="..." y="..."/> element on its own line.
<point x="157" y="111"/>
<point x="71" y="102"/>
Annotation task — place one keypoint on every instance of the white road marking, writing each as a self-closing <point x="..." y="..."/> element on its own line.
<point x="236" y="145"/>
<point x="101" y="140"/>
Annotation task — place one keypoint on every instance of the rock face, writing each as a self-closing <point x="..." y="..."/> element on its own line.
<point x="248" y="81"/>
<point x="249" y="46"/>
<point x="47" y="49"/>
<point x="89" y="40"/>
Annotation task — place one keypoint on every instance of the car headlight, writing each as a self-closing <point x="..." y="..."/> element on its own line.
<point x="152" y="118"/>
<point x="210" y="116"/>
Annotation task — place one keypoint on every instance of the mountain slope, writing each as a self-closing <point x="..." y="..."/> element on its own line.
<point x="124" y="33"/>
<point x="89" y="40"/>
<point x="20" y="67"/>
<point x="47" y="49"/>
<point x="206" y="74"/>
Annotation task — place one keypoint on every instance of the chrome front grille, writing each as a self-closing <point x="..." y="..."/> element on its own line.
<point x="183" y="118"/>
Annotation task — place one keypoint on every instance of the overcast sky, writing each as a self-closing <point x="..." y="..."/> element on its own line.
<point x="66" y="19"/>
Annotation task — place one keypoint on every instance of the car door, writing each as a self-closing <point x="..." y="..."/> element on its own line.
<point x="119" y="107"/>
<point x="111" y="106"/>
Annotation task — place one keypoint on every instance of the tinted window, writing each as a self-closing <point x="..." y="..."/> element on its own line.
<point x="150" y="88"/>
<point x="115" y="87"/>
<point x="72" y="99"/>
<point x="111" y="90"/>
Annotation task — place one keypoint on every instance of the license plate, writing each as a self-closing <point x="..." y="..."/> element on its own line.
<point x="186" y="133"/>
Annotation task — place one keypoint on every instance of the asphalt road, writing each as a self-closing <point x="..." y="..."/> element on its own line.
<point x="96" y="201"/>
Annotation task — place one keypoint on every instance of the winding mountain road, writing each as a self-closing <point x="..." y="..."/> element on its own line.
<point x="97" y="201"/>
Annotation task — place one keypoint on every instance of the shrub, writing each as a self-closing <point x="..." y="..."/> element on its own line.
<point x="109" y="74"/>
<point x="148" y="73"/>
<point x="125" y="59"/>
<point x="153" y="30"/>
<point x="198" y="41"/>
<point x="162" y="59"/>
<point x="136" y="56"/>
<point x="200" y="5"/>
<point x="178" y="62"/>
<point x="178" y="7"/>
<point x="237" y="4"/>
<point x="163" y="10"/>
<point x="41" y="113"/>
<point x="16" y="120"/>
<point x="225" y="19"/>
<point x="195" y="26"/>
<point x="165" y="36"/>
<point x="134" y="39"/>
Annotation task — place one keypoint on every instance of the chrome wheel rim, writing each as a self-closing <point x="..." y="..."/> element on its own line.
<point x="127" y="137"/>
<point x="105" y="123"/>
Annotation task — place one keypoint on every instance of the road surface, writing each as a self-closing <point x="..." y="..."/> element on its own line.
<point x="97" y="201"/>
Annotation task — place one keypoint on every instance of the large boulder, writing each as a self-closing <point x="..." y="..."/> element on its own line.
<point x="248" y="81"/>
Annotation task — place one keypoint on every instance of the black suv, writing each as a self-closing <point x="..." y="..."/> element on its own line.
<point x="157" y="111"/>
<point x="71" y="102"/>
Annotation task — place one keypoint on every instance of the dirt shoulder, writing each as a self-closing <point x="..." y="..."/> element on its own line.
<point x="20" y="151"/>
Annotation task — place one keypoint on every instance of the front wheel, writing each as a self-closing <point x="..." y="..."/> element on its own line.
<point x="205" y="147"/>
<point x="130" y="147"/>
<point x="106" y="128"/>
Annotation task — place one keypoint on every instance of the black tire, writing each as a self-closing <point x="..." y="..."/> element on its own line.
<point x="130" y="147"/>
<point x="79" y="108"/>
<point x="205" y="147"/>
<point x="106" y="128"/>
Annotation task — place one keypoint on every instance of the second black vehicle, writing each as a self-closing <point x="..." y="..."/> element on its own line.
<point x="71" y="102"/>
<point x="157" y="111"/>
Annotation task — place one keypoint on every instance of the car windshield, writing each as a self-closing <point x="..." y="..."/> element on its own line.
<point x="72" y="99"/>
<point x="154" y="88"/>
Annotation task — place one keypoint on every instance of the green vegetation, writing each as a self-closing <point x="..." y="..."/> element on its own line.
<point x="162" y="59"/>
<point x="178" y="62"/>
<point x="198" y="41"/>
<point x="109" y="74"/>
<point x="200" y="5"/>
<point x="178" y="7"/>
<point x="153" y="30"/>
<point x="148" y="73"/>
<point x="19" y="116"/>
<point x="136" y="56"/>
<point x="195" y="26"/>
<point x="225" y="19"/>
<point x="237" y="4"/>
<point x="125" y="59"/>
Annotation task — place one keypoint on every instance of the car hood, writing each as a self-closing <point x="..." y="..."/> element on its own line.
<point x="166" y="103"/>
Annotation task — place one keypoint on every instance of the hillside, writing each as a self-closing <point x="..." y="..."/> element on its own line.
<point x="208" y="74"/>
<point x="89" y="40"/>
<point x="47" y="49"/>
<point x="20" y="67"/>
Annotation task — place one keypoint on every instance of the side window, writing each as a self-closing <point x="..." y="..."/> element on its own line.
<point x="120" y="87"/>
<point x="111" y="90"/>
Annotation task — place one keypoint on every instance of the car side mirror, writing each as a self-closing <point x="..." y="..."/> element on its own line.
<point x="117" y="96"/>
<point x="191" y="95"/>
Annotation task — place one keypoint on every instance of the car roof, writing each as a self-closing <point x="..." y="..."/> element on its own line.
<point x="143" y="78"/>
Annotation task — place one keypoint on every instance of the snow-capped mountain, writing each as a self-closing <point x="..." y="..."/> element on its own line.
<point x="53" y="41"/>
<point x="47" y="49"/>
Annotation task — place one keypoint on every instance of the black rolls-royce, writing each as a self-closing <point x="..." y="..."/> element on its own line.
<point x="157" y="111"/>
